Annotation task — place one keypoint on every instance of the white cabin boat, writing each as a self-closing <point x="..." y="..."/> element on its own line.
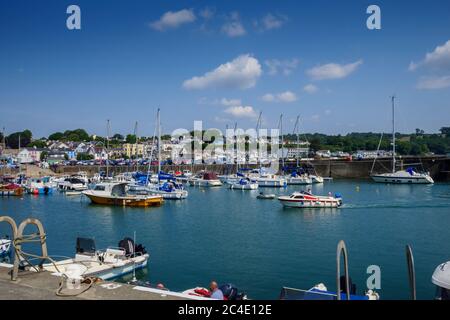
<point x="244" y="184"/>
<point x="108" y="264"/>
<point x="271" y="180"/>
<point x="208" y="179"/>
<point x="305" y="199"/>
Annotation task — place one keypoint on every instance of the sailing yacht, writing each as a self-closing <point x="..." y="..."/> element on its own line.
<point x="408" y="176"/>
<point x="165" y="186"/>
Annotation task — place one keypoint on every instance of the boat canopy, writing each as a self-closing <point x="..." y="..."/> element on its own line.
<point x="209" y="176"/>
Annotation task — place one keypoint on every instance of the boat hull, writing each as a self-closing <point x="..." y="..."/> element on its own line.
<point x="272" y="183"/>
<point x="205" y="183"/>
<point x="126" y="201"/>
<point x="402" y="180"/>
<point x="309" y="204"/>
<point x="250" y="186"/>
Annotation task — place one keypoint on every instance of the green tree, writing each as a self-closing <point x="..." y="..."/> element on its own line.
<point x="44" y="155"/>
<point x="315" y="144"/>
<point x="56" y="136"/>
<point x="24" y="137"/>
<point x="84" y="156"/>
<point x="131" y="138"/>
<point x="445" y="130"/>
<point x="37" y="144"/>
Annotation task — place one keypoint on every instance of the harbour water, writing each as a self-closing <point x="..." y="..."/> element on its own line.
<point x="232" y="236"/>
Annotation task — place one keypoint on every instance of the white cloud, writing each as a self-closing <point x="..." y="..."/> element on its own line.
<point x="271" y="21"/>
<point x="268" y="97"/>
<point x="310" y="88"/>
<point x="438" y="59"/>
<point x="433" y="83"/>
<point x="171" y="20"/>
<point x="284" y="66"/>
<point x="333" y="70"/>
<point x="327" y="112"/>
<point x="285" y="97"/>
<point x="233" y="27"/>
<point x="230" y="102"/>
<point x="241" y="111"/>
<point x="241" y="73"/>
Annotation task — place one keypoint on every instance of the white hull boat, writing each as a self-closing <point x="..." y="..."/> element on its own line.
<point x="299" y="180"/>
<point x="244" y="184"/>
<point x="208" y="179"/>
<point x="403" y="176"/>
<point x="106" y="265"/>
<point x="5" y="247"/>
<point x="307" y="200"/>
<point x="272" y="181"/>
<point x="316" y="179"/>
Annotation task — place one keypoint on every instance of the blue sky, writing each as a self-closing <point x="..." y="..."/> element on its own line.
<point x="223" y="62"/>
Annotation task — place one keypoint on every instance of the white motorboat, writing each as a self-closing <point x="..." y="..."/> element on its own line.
<point x="244" y="184"/>
<point x="441" y="279"/>
<point x="5" y="247"/>
<point x="305" y="199"/>
<point x="72" y="184"/>
<point x="105" y="264"/>
<point x="208" y="179"/>
<point x="271" y="180"/>
<point x="296" y="179"/>
<point x="408" y="176"/>
<point x="315" y="178"/>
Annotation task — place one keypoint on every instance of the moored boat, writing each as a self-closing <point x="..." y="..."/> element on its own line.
<point x="408" y="176"/>
<point x="110" y="193"/>
<point x="207" y="179"/>
<point x="244" y="184"/>
<point x="271" y="180"/>
<point x="39" y="186"/>
<point x="5" y="247"/>
<point x="305" y="199"/>
<point x="105" y="264"/>
<point x="11" y="189"/>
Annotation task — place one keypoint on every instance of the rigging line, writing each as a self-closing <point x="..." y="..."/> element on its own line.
<point x="376" y="156"/>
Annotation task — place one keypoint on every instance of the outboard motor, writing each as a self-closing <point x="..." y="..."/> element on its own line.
<point x="350" y="283"/>
<point x="441" y="279"/>
<point x="128" y="245"/>
<point x="230" y="292"/>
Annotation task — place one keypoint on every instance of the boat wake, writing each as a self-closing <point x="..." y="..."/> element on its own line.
<point x="394" y="206"/>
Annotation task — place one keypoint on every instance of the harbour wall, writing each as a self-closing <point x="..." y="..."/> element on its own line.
<point x="439" y="167"/>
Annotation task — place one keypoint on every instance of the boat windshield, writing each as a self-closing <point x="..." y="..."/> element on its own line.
<point x="99" y="188"/>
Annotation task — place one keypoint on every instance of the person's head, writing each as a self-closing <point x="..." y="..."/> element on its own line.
<point x="213" y="285"/>
<point x="160" y="286"/>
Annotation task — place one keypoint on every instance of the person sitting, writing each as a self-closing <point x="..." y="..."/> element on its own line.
<point x="216" y="293"/>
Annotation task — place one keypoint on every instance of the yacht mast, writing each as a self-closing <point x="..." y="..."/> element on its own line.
<point x="282" y="145"/>
<point x="393" y="134"/>
<point x="159" y="144"/>
<point x="136" y="144"/>
<point x="107" y="148"/>
<point x="258" y="145"/>
<point x="298" y="141"/>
